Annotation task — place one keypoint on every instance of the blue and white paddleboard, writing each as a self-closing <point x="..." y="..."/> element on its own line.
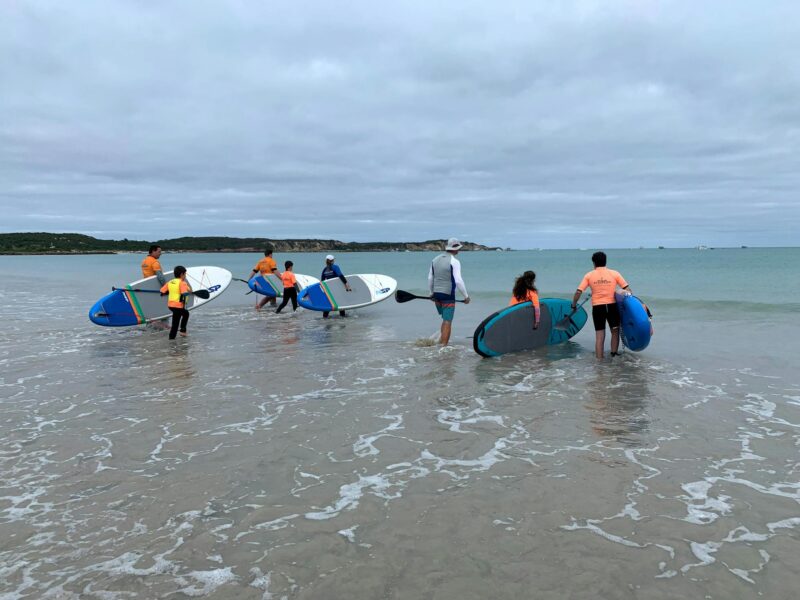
<point x="272" y="286"/>
<point x="139" y="302"/>
<point x="636" y="329"/>
<point x="511" y="329"/>
<point x="331" y="295"/>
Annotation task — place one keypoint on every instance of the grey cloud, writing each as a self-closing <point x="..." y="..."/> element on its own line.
<point x="522" y="124"/>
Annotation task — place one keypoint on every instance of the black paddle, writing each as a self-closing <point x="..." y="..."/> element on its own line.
<point x="204" y="294"/>
<point x="564" y="323"/>
<point x="403" y="296"/>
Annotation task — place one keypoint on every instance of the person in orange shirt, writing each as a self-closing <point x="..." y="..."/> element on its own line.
<point x="177" y="289"/>
<point x="150" y="265"/>
<point x="603" y="282"/>
<point x="289" y="287"/>
<point x="266" y="266"/>
<point x="525" y="291"/>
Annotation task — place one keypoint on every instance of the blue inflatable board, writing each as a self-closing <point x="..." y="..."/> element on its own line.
<point x="331" y="294"/>
<point x="636" y="328"/>
<point x="511" y="329"/>
<point x="140" y="302"/>
<point x="269" y="286"/>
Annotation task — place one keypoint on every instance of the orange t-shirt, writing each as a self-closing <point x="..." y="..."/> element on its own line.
<point x="288" y="279"/>
<point x="266" y="265"/>
<point x="149" y="266"/>
<point x="603" y="282"/>
<point x="531" y="296"/>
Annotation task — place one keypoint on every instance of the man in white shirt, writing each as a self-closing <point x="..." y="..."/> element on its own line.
<point x="444" y="278"/>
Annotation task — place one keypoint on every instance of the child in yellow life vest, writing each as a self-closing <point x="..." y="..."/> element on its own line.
<point x="177" y="289"/>
<point x="525" y="291"/>
<point x="289" y="287"/>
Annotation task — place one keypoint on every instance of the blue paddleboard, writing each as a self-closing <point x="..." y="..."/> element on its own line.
<point x="266" y="285"/>
<point x="635" y="324"/>
<point x="511" y="329"/>
<point x="140" y="302"/>
<point x="271" y="286"/>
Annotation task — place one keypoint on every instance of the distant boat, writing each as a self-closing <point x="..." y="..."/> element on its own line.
<point x="661" y="247"/>
<point x="701" y="247"/>
<point x="744" y="246"/>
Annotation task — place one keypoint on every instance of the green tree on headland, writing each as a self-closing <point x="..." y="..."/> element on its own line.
<point x="75" y="243"/>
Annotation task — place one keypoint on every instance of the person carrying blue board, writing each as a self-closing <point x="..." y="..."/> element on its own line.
<point x="444" y="278"/>
<point x="525" y="291"/>
<point x="603" y="282"/>
<point x="265" y="266"/>
<point x="332" y="271"/>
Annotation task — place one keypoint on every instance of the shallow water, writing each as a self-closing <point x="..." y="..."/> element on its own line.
<point x="284" y="456"/>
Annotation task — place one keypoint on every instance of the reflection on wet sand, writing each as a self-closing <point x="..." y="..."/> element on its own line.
<point x="618" y="402"/>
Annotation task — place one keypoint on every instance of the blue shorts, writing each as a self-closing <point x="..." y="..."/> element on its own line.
<point x="446" y="310"/>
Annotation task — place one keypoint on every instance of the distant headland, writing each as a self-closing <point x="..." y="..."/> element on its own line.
<point x="76" y="243"/>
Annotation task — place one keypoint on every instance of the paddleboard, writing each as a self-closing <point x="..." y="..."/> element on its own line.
<point x="331" y="295"/>
<point x="511" y="329"/>
<point x="636" y="328"/>
<point x="272" y="286"/>
<point x="126" y="307"/>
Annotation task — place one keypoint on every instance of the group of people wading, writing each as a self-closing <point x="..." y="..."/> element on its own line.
<point x="268" y="266"/>
<point x="444" y="281"/>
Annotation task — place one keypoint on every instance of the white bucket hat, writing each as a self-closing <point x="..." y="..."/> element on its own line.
<point x="329" y="257"/>
<point x="453" y="244"/>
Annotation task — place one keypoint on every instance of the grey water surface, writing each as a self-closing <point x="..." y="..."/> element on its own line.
<point x="286" y="456"/>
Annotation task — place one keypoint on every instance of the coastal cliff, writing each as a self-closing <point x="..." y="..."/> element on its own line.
<point x="74" y="243"/>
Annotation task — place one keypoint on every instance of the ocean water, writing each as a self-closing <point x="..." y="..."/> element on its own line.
<point x="285" y="456"/>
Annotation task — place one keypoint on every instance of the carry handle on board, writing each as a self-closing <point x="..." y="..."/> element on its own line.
<point x="204" y="294"/>
<point x="564" y="323"/>
<point x="403" y="296"/>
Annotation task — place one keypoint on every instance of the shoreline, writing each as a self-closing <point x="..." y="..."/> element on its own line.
<point x="231" y="251"/>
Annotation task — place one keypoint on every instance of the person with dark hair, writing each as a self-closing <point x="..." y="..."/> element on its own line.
<point x="150" y="265"/>
<point x="265" y="266"/>
<point x="525" y="291"/>
<point x="289" y="287"/>
<point x="332" y="271"/>
<point x="177" y="290"/>
<point x="603" y="282"/>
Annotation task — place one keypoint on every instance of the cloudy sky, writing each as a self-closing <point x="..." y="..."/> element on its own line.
<point x="525" y="124"/>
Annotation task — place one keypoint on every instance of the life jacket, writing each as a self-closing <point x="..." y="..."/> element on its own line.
<point x="176" y="298"/>
<point x="443" y="280"/>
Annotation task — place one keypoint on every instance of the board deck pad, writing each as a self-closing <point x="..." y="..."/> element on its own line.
<point x="271" y="285"/>
<point x="635" y="324"/>
<point x="511" y="329"/>
<point x="331" y="295"/>
<point x="125" y="307"/>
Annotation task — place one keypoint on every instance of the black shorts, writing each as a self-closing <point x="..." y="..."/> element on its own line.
<point x="605" y="312"/>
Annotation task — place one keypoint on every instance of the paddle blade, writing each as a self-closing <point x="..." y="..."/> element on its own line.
<point x="403" y="296"/>
<point x="204" y="294"/>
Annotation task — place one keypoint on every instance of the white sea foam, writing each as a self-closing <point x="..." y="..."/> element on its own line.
<point x="205" y="582"/>
<point x="350" y="494"/>
<point x="365" y="444"/>
<point x="350" y="533"/>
